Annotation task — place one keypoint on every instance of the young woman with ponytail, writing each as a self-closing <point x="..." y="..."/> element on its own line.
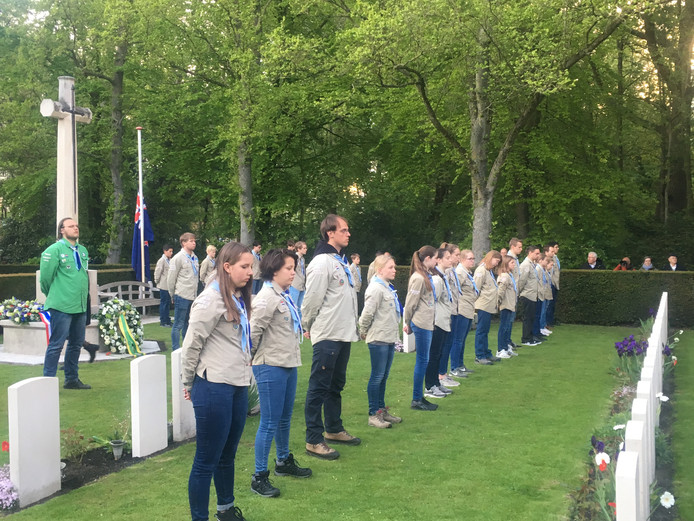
<point x="487" y="304"/>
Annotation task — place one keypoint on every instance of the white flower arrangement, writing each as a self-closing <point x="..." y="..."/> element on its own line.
<point x="667" y="500"/>
<point x="108" y="315"/>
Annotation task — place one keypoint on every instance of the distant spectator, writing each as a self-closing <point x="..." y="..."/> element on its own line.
<point x="504" y="252"/>
<point x="624" y="265"/>
<point x="291" y="245"/>
<point x="593" y="262"/>
<point x="207" y="267"/>
<point x="356" y="271"/>
<point x="647" y="265"/>
<point x="673" y="265"/>
<point x="257" y="279"/>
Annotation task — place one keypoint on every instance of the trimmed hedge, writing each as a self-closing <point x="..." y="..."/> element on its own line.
<point x="623" y="297"/>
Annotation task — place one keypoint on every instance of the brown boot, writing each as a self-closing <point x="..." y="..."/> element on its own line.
<point x="321" y="450"/>
<point x="389" y="417"/>
<point x="343" y="437"/>
<point x="376" y="420"/>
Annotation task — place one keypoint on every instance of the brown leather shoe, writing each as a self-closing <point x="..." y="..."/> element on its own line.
<point x="321" y="450"/>
<point x="389" y="417"/>
<point x="343" y="437"/>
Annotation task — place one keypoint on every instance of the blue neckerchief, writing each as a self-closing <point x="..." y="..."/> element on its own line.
<point x="515" y="288"/>
<point x="168" y="261"/>
<point x="544" y="279"/>
<point x="472" y="279"/>
<point x="491" y="272"/>
<point x="537" y="276"/>
<point x="192" y="259"/>
<point x="293" y="310"/>
<point x="557" y="261"/>
<point x="256" y="255"/>
<point x="394" y="291"/>
<point x="303" y="265"/>
<point x="358" y="271"/>
<point x="78" y="262"/>
<point x="448" y="287"/>
<point x="457" y="281"/>
<point x="345" y="266"/>
<point x="213" y="262"/>
<point x="433" y="288"/>
<point x="243" y="316"/>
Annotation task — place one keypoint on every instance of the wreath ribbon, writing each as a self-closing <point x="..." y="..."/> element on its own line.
<point x="130" y="341"/>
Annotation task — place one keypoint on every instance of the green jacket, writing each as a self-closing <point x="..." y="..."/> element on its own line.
<point x="65" y="287"/>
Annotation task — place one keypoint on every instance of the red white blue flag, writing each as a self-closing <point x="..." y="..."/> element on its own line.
<point x="141" y="219"/>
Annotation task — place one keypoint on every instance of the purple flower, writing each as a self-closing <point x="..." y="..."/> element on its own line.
<point x="651" y="312"/>
<point x="666" y="350"/>
<point x="600" y="447"/>
<point x="593" y="441"/>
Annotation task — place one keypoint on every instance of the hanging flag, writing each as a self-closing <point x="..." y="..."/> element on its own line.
<point x="141" y="218"/>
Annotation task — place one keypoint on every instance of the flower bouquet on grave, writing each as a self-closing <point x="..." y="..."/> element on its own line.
<point x="120" y="327"/>
<point x="20" y="311"/>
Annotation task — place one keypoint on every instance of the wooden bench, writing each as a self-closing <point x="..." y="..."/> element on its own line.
<point x="139" y="294"/>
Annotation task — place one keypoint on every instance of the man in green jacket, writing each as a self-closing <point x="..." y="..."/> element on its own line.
<point x="65" y="283"/>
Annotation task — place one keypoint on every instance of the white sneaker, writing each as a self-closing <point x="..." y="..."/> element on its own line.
<point x="502" y="354"/>
<point x="448" y="382"/>
<point x="545" y="331"/>
<point x="511" y="352"/>
<point x="434" y="393"/>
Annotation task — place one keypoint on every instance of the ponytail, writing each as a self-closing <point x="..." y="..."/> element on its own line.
<point x="417" y="265"/>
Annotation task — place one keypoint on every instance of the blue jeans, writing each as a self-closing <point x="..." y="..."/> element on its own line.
<point x="484" y="320"/>
<point x="543" y="314"/>
<point x="276" y="390"/>
<point x="220" y="416"/>
<point x="381" y="360"/>
<point x="453" y="336"/>
<point x="297" y="297"/>
<point x="536" y="321"/>
<point x="164" y="307"/>
<point x="458" y="345"/>
<point x="328" y="377"/>
<point x="422" y="342"/>
<point x="257" y="286"/>
<point x="180" y="325"/>
<point x="438" y="339"/>
<point x="68" y="326"/>
<point x="505" y="323"/>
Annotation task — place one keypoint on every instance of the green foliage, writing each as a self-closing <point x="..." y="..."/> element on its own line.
<point x="73" y="444"/>
<point x="611" y="298"/>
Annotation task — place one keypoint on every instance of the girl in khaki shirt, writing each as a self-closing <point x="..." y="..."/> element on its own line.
<point x="508" y="296"/>
<point x="419" y="319"/>
<point x="486" y="305"/>
<point x="276" y="334"/>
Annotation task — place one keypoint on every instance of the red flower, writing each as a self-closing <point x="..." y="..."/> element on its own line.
<point x="674" y="362"/>
<point x="613" y="505"/>
<point x="5" y="446"/>
<point x="603" y="466"/>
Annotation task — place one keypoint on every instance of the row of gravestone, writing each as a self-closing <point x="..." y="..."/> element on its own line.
<point x="34" y="423"/>
<point x="635" y="470"/>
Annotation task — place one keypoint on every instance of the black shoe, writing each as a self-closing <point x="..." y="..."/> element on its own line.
<point x="423" y="405"/>
<point x="166" y="325"/>
<point x="233" y="514"/>
<point x="483" y="361"/>
<point x="91" y="349"/>
<point x="466" y="369"/>
<point x="76" y="384"/>
<point x="539" y="339"/>
<point x="514" y="345"/>
<point x="290" y="467"/>
<point x="495" y="359"/>
<point x="260" y="484"/>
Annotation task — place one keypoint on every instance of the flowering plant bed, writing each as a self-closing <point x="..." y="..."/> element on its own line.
<point x="111" y="331"/>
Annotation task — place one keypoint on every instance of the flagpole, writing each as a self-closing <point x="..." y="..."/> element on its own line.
<point x="141" y="200"/>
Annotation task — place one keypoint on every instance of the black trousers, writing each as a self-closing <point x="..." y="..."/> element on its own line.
<point x="528" y="318"/>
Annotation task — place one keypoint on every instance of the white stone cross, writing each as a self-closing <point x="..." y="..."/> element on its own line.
<point x="65" y="111"/>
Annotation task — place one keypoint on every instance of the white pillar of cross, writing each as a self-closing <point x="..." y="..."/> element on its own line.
<point x="65" y="111"/>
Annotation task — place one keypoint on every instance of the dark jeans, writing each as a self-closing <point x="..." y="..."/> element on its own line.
<point x="505" y="323"/>
<point x="552" y="305"/>
<point x="381" y="360"/>
<point x="458" y="345"/>
<point x="536" y="320"/>
<point x="164" y="307"/>
<point x="328" y="377"/>
<point x="220" y="416"/>
<point x="453" y="336"/>
<point x="422" y="343"/>
<point x="64" y="326"/>
<point x="257" y="286"/>
<point x="276" y="390"/>
<point x="437" y="341"/>
<point x="484" y="320"/>
<point x="528" y="318"/>
<point x="180" y="325"/>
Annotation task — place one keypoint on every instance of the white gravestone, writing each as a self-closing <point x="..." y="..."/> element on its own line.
<point x="182" y="409"/>
<point x="635" y="441"/>
<point x="148" y="404"/>
<point x="644" y="390"/>
<point x="639" y="412"/>
<point x="34" y="424"/>
<point x="626" y="488"/>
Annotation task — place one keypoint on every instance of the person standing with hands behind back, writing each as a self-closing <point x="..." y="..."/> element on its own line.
<point x="329" y="317"/>
<point x="183" y="285"/>
<point x="161" y="275"/>
<point x="216" y="373"/>
<point x="65" y="282"/>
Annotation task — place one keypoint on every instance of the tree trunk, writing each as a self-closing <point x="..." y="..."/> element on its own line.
<point x="116" y="230"/>
<point x="246" y="195"/>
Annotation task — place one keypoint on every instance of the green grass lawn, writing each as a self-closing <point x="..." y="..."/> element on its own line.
<point x="683" y="428"/>
<point x="509" y="444"/>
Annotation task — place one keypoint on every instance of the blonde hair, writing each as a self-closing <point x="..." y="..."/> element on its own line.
<point x="210" y="247"/>
<point x="487" y="260"/>
<point x="381" y="261"/>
